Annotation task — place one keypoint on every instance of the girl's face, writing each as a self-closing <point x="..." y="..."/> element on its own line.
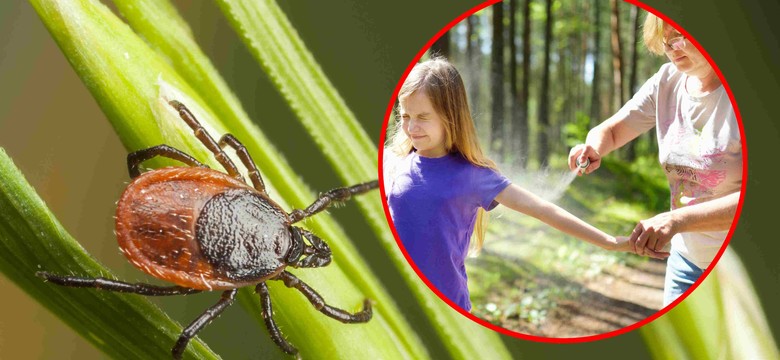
<point x="423" y="125"/>
<point x="684" y="55"/>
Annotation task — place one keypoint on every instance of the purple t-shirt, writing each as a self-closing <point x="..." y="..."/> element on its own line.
<point x="433" y="203"/>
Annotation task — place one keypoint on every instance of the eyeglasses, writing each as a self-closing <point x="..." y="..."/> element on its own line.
<point x="675" y="43"/>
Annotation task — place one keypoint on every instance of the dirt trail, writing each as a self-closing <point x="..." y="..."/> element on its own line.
<point x="616" y="298"/>
<point x="609" y="302"/>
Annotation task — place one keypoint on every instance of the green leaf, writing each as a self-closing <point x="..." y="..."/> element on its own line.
<point x="721" y="319"/>
<point x="281" y="53"/>
<point x="291" y="67"/>
<point x="132" y="85"/>
<point x="31" y="240"/>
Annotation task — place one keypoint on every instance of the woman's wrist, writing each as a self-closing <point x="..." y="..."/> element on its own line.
<point x="675" y="220"/>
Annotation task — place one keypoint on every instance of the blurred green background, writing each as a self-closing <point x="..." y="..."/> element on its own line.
<point x="364" y="47"/>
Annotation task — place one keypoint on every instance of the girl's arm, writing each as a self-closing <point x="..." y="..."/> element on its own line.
<point x="518" y="199"/>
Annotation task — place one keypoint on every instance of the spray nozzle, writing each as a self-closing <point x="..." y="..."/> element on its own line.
<point x="582" y="165"/>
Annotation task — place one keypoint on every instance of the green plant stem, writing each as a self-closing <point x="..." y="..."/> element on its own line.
<point x="132" y="84"/>
<point x="721" y="319"/>
<point x="31" y="240"/>
<point x="281" y="53"/>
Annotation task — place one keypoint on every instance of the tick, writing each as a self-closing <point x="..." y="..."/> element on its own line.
<point x="205" y="230"/>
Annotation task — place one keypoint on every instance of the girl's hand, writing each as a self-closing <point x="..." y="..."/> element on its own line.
<point x="581" y="152"/>
<point x="622" y="243"/>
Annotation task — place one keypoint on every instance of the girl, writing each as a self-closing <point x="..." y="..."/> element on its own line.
<point x="439" y="184"/>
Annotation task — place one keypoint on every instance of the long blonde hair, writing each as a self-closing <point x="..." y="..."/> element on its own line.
<point x="441" y="82"/>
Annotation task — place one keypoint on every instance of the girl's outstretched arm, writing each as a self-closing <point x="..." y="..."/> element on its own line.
<point x="521" y="200"/>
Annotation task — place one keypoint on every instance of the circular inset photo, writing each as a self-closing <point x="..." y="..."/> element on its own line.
<point x="562" y="171"/>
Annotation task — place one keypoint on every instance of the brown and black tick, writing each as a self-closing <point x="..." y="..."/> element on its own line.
<point x="205" y="230"/>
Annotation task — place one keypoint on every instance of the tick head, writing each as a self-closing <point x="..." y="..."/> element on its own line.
<point x="317" y="254"/>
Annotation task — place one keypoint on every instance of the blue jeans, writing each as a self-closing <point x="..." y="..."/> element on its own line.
<point x="680" y="275"/>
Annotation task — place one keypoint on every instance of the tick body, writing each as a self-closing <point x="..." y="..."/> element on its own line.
<point x="202" y="229"/>
<point x="206" y="230"/>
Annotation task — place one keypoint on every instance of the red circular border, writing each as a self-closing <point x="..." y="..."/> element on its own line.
<point x="504" y="331"/>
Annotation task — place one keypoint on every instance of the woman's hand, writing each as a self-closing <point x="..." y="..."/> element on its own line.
<point x="602" y="140"/>
<point x="579" y="153"/>
<point x="622" y="243"/>
<point x="654" y="233"/>
<point x="651" y="236"/>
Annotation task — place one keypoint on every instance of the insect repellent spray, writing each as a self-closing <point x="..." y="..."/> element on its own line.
<point x="582" y="166"/>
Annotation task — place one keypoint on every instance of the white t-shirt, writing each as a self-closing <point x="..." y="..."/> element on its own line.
<point x="699" y="149"/>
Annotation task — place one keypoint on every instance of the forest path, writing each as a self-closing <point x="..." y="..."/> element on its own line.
<point x="550" y="305"/>
<point x="613" y="300"/>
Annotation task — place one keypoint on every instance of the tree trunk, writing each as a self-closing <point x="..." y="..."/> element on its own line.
<point x="512" y="136"/>
<point x="441" y="46"/>
<point x="544" y="108"/>
<point x="522" y="128"/>
<point x="497" y="78"/>
<point x="595" y="95"/>
<point x="632" y="86"/>
<point x="617" y="58"/>
<point x="582" y="42"/>
<point x="474" y="57"/>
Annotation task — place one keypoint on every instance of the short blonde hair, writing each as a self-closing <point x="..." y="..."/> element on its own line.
<point x="653" y="34"/>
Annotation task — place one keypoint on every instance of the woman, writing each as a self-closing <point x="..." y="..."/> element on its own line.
<point x="699" y="150"/>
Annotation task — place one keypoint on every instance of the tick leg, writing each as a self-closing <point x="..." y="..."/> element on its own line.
<point x="319" y="303"/>
<point x="243" y="154"/>
<point x="228" y="297"/>
<point x="268" y="316"/>
<point x="114" y="285"/>
<point x="134" y="159"/>
<point x="206" y="139"/>
<point x="335" y="195"/>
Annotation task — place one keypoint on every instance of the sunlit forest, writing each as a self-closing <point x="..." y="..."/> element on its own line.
<point x="541" y="73"/>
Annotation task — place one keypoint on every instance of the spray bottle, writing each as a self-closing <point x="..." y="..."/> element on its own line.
<point x="582" y="166"/>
